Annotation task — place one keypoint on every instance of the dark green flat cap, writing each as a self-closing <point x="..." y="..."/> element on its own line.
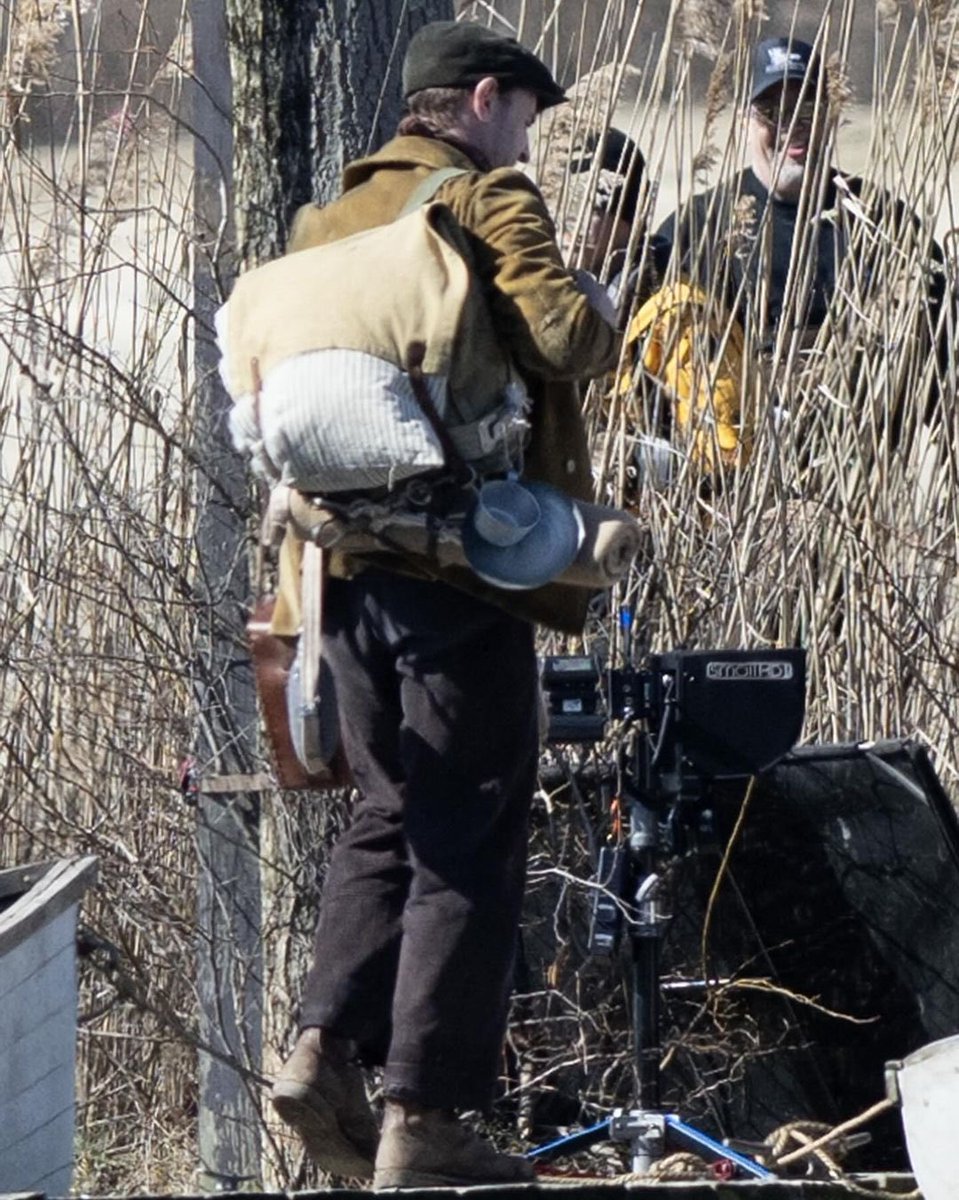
<point x="461" y="53"/>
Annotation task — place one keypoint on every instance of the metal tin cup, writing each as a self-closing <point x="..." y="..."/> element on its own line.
<point x="514" y="544"/>
<point x="505" y="512"/>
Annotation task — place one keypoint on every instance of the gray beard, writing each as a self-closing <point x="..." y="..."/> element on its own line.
<point x="786" y="182"/>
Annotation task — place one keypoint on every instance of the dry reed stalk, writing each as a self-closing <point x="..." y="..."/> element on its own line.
<point x="705" y="25"/>
<point x="36" y="30"/>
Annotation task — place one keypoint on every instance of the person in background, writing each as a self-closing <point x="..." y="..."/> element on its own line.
<point x="763" y="254"/>
<point x="770" y="242"/>
<point x="610" y="227"/>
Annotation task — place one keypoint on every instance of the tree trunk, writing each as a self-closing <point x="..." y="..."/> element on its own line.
<point x="315" y="85"/>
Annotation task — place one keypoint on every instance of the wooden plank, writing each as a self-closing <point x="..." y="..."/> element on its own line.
<point x="38" y="1020"/>
<point x="218" y="785"/>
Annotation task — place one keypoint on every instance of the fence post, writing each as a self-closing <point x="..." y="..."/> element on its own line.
<point x="229" y="956"/>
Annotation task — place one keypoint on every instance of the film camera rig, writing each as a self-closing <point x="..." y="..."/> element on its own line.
<point x="692" y="718"/>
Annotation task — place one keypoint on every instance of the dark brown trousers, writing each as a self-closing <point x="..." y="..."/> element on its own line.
<point x="420" y="908"/>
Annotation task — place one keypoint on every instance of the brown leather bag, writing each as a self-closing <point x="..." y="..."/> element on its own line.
<point x="272" y="659"/>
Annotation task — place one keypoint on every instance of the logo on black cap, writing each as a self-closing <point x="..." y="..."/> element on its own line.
<point x="779" y="59"/>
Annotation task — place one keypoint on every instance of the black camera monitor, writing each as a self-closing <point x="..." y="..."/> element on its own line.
<point x="711" y="714"/>
<point x="725" y="713"/>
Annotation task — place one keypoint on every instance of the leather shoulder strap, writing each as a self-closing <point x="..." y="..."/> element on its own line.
<point x="427" y="188"/>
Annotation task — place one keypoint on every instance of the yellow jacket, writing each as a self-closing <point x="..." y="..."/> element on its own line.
<point x="697" y="353"/>
<point x="541" y="320"/>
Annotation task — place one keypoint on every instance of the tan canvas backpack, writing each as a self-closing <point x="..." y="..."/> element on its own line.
<point x="316" y="357"/>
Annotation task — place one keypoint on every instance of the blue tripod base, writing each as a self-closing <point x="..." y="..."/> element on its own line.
<point x="650" y="1136"/>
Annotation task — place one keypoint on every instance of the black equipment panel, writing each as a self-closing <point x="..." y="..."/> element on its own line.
<point x="843" y="894"/>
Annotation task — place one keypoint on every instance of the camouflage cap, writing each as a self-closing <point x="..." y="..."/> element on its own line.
<point x="620" y="170"/>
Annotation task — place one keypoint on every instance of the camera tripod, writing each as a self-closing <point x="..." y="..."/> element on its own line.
<point x="702" y="712"/>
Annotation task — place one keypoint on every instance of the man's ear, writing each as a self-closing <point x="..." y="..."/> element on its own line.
<point x="483" y="96"/>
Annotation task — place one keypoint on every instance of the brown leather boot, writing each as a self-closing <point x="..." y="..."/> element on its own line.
<point x="319" y="1093"/>
<point x="428" y="1147"/>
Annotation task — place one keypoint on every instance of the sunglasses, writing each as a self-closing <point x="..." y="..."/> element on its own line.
<point x="772" y="112"/>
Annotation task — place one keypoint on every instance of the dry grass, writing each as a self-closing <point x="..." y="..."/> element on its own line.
<point x="838" y="534"/>
<point x="96" y="497"/>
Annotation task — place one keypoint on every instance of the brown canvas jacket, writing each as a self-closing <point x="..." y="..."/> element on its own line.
<point x="545" y="324"/>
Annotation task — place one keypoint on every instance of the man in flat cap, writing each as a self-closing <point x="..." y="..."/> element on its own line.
<point x="435" y="676"/>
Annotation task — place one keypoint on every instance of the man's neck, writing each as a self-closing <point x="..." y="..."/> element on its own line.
<point x="411" y="127"/>
<point x="464" y="147"/>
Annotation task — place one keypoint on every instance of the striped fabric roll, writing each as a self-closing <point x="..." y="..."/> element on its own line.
<point x="338" y="420"/>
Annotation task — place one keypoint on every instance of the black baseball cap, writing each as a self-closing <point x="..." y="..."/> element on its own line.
<point x="777" y="60"/>
<point x="461" y="53"/>
<point x="621" y="168"/>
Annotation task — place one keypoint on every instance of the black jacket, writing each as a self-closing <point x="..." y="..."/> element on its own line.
<point x="739" y="240"/>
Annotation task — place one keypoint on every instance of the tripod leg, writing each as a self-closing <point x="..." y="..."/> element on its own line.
<point x="646" y="1006"/>
<point x="645" y="940"/>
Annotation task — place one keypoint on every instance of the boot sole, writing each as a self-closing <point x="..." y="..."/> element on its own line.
<point x="315" y="1120"/>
